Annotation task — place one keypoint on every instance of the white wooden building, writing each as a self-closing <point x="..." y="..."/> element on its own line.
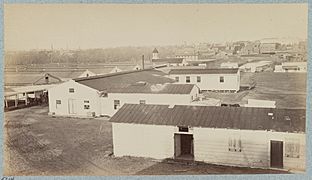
<point x="104" y="95"/>
<point x="255" y="66"/>
<point x="225" y="79"/>
<point x="169" y="62"/>
<point x="229" y="65"/>
<point x="188" y="57"/>
<point x="235" y="136"/>
<point x="291" y="67"/>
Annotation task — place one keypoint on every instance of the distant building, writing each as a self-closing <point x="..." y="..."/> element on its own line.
<point x="188" y="57"/>
<point x="269" y="48"/>
<point x="291" y="67"/>
<point x="255" y="66"/>
<point x="260" y="103"/>
<point x="173" y="61"/>
<point x="155" y="54"/>
<point x="251" y="48"/>
<point x="235" y="136"/>
<point x="209" y="79"/>
<point x="169" y="62"/>
<point x="229" y="65"/>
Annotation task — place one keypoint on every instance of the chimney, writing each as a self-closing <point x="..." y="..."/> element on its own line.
<point x="143" y="61"/>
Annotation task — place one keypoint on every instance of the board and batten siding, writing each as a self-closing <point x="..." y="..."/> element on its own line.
<point x="212" y="146"/>
<point x="143" y="140"/>
<point x="81" y="93"/>
<point x="211" y="81"/>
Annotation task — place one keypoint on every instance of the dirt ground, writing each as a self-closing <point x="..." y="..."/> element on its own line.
<point x="38" y="144"/>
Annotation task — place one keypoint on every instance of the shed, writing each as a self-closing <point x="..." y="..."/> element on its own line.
<point x="236" y="136"/>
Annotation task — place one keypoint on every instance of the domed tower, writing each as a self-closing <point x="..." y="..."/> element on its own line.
<point x="155" y="54"/>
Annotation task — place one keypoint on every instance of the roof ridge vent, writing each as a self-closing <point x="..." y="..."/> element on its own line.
<point x="140" y="83"/>
<point x="171" y="106"/>
<point x="157" y="87"/>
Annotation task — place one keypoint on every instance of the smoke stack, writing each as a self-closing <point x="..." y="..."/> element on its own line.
<point x="143" y="61"/>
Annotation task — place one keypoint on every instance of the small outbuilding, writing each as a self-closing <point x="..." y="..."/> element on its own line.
<point x="235" y="136"/>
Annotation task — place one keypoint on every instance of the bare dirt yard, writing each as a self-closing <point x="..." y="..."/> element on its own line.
<point x="38" y="144"/>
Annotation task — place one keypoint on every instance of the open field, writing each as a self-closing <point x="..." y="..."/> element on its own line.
<point x="38" y="144"/>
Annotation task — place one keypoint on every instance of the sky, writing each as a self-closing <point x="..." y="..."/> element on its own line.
<point x="72" y="26"/>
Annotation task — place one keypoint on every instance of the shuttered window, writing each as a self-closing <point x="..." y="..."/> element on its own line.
<point x="235" y="145"/>
<point x="292" y="148"/>
<point x="116" y="104"/>
<point x="221" y="79"/>
<point x="198" y="79"/>
<point x="86" y="104"/>
<point x="188" y="79"/>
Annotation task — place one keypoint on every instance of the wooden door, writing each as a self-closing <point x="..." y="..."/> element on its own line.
<point x="71" y="106"/>
<point x="186" y="144"/>
<point x="276" y="154"/>
<point x="177" y="145"/>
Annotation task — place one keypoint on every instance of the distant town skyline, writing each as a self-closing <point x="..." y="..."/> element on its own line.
<point x="73" y="26"/>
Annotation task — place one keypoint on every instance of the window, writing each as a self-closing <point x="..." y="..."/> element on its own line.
<point x="221" y="79"/>
<point x="86" y="104"/>
<point x="235" y="145"/>
<point x="58" y="103"/>
<point x="177" y="79"/>
<point x="292" y="149"/>
<point x="116" y="104"/>
<point x="142" y="102"/>
<point x="183" y="129"/>
<point x="198" y="79"/>
<point x="71" y="90"/>
<point x="188" y="79"/>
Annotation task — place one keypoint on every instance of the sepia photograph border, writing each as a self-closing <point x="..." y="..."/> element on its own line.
<point x="305" y="175"/>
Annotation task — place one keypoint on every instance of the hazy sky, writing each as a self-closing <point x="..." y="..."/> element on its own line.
<point x="30" y="26"/>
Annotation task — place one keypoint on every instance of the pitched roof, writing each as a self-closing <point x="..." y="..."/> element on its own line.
<point x="155" y="50"/>
<point x="27" y="78"/>
<point x="113" y="81"/>
<point x="247" y="118"/>
<point x="168" y="60"/>
<point x="204" y="71"/>
<point x="167" y="88"/>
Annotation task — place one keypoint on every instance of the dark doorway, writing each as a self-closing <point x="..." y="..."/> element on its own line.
<point x="183" y="146"/>
<point x="277" y="154"/>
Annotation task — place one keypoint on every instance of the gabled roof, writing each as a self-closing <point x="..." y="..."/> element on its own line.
<point x="204" y="71"/>
<point x="155" y="50"/>
<point x="244" y="118"/>
<point x="168" y="88"/>
<point x="41" y="80"/>
<point x="123" y="79"/>
<point x="168" y="60"/>
<point x="28" y="78"/>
